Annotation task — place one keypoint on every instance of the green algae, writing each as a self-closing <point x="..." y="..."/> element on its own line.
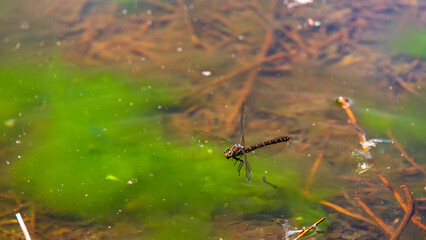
<point x="411" y="42"/>
<point x="92" y="145"/>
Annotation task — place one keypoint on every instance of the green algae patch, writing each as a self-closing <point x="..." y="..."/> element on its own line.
<point x="411" y="42"/>
<point x="81" y="134"/>
<point x="93" y="145"/>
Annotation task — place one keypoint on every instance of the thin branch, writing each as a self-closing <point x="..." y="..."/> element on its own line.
<point x="317" y="163"/>
<point x="409" y="213"/>
<point x="404" y="154"/>
<point x="344" y="211"/>
<point x="375" y="218"/>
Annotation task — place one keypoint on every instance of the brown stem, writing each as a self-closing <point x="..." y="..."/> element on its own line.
<point x="409" y="213"/>
<point x="194" y="39"/>
<point x="375" y="218"/>
<point x="233" y="74"/>
<point x="344" y="211"/>
<point x="317" y="163"/>
<point x="404" y="154"/>
<point x="269" y="39"/>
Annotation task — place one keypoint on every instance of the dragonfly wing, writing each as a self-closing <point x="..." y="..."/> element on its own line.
<point x="249" y="173"/>
<point x="205" y="137"/>
<point x="242" y="124"/>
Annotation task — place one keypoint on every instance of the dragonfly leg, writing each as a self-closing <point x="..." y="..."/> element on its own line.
<point x="240" y="165"/>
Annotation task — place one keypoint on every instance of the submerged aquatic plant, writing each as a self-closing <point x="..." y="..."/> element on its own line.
<point x="93" y="145"/>
<point x="411" y="42"/>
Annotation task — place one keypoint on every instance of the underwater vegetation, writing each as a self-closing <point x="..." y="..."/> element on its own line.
<point x="92" y="145"/>
<point x="411" y="42"/>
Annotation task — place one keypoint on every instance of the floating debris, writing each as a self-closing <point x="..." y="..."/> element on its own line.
<point x="10" y="122"/>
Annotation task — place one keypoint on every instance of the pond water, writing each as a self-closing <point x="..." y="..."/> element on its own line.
<point x="113" y="115"/>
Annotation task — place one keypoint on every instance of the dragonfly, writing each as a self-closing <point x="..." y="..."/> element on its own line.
<point x="238" y="151"/>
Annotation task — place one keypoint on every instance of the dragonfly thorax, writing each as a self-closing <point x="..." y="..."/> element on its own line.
<point x="233" y="151"/>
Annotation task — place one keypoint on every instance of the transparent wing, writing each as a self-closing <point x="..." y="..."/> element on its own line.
<point x="205" y="137"/>
<point x="249" y="173"/>
<point x="242" y="124"/>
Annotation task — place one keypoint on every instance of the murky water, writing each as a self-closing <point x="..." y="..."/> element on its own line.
<point x="100" y="100"/>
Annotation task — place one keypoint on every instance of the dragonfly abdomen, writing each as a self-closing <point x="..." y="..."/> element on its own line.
<point x="266" y="143"/>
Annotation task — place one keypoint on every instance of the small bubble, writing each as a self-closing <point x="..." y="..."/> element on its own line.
<point x="124" y="11"/>
<point x="179" y="49"/>
<point x="159" y="107"/>
<point x="206" y="73"/>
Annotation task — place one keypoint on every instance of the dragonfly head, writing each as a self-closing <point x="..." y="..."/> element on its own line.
<point x="228" y="153"/>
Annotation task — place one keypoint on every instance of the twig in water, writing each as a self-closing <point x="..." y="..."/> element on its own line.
<point x="23" y="227"/>
<point x="316" y="164"/>
<point x="409" y="213"/>
<point x="344" y="211"/>
<point x="376" y="219"/>
<point x="404" y="154"/>
<point x="305" y="231"/>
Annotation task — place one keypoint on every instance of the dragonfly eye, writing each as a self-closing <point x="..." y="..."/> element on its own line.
<point x="228" y="153"/>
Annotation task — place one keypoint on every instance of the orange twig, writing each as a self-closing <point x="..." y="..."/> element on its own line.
<point x="395" y="194"/>
<point x="375" y="218"/>
<point x="409" y="213"/>
<point x="344" y="211"/>
<point x="316" y="164"/>
<point x="404" y="154"/>
<point x="345" y="105"/>
<point x="305" y="231"/>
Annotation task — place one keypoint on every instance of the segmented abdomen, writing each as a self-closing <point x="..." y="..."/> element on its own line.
<point x="262" y="144"/>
